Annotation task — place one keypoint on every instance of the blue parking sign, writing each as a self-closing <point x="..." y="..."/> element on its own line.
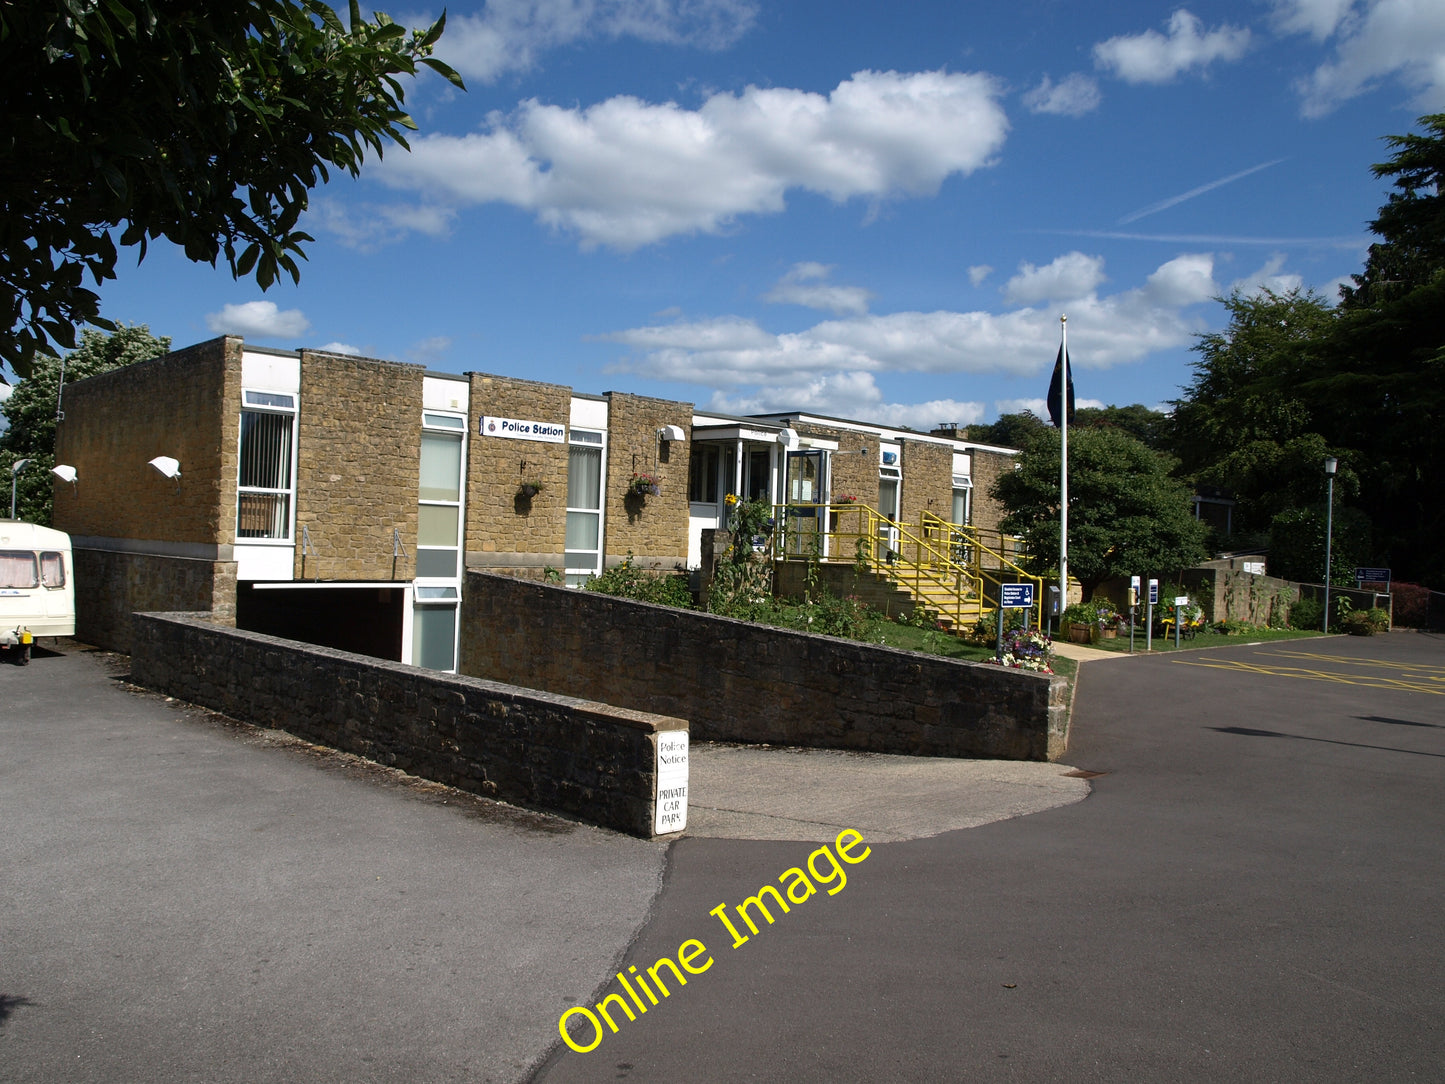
<point x="1016" y="596"/>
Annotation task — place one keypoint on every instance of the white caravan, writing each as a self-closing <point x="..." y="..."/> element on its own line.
<point x="37" y="586"/>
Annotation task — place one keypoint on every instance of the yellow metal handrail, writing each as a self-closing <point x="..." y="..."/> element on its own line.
<point x="919" y="564"/>
<point x="971" y="539"/>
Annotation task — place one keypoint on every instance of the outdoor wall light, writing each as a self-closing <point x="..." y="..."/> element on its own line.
<point x="788" y="438"/>
<point x="64" y="471"/>
<point x="170" y="468"/>
<point x="671" y="432"/>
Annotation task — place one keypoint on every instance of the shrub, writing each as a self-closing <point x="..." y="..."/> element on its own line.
<point x="628" y="581"/>
<point x="1411" y="604"/>
<point x="1307" y="613"/>
<point x="1358" y="623"/>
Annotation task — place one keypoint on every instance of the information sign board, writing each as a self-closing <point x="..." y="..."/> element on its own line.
<point x="1016" y="596"/>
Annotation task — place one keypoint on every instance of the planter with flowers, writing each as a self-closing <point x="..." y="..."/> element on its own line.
<point x="644" y="485"/>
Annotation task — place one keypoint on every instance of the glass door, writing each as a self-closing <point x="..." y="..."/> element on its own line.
<point x="804" y="492"/>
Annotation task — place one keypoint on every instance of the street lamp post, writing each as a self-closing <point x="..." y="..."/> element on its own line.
<point x="1330" y="464"/>
<point x="15" y="469"/>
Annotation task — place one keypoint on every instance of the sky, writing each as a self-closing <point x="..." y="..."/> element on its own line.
<point x="866" y="210"/>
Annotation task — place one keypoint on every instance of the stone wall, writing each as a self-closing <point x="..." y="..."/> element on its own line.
<point x="504" y="529"/>
<point x="358" y="456"/>
<point x="185" y="405"/>
<point x="853" y="472"/>
<point x="987" y="468"/>
<point x="652" y="529"/>
<point x="735" y="681"/>
<point x="585" y="759"/>
<point x="927" y="481"/>
<point x="111" y="585"/>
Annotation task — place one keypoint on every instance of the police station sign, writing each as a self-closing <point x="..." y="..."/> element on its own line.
<point x="671" y="782"/>
<point x="523" y="429"/>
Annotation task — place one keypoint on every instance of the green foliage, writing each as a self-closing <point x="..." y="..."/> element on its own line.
<point x="1152" y="428"/>
<point x="205" y="124"/>
<point x="1100" y="612"/>
<point x="1126" y="514"/>
<point x="31" y="409"/>
<point x="628" y="581"/>
<point x="824" y="613"/>
<point x="1241" y="425"/>
<point x="1297" y="545"/>
<point x="1010" y="431"/>
<point x="1307" y="613"/>
<point x="1365" y="622"/>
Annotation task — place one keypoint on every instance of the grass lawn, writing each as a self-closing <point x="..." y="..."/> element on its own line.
<point x="941" y="643"/>
<point x="1203" y="640"/>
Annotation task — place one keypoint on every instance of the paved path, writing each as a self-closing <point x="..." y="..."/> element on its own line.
<point x="180" y="901"/>
<point x="1252" y="892"/>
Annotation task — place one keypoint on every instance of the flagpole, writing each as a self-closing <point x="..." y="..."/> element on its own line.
<point x="1064" y="470"/>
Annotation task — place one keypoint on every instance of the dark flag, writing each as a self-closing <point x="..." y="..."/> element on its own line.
<point x="1054" y="390"/>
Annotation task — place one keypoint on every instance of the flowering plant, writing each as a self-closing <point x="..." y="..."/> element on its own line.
<point x="844" y="498"/>
<point x="644" y="484"/>
<point x="1025" y="649"/>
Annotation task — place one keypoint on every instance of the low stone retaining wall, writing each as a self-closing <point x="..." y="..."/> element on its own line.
<point x="556" y="752"/>
<point x="735" y="681"/>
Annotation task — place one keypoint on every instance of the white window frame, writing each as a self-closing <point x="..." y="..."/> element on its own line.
<point x="261" y="407"/>
<point x="583" y="437"/>
<point x="439" y="592"/>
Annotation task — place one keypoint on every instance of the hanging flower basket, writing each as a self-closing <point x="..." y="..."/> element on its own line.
<point x="645" y="485"/>
<point x="529" y="489"/>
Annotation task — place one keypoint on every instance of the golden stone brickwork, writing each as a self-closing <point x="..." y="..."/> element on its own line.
<point x="358" y="455"/>
<point x="117" y="422"/>
<point x="652" y="529"/>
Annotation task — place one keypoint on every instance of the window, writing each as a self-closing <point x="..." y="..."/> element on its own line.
<point x="52" y="569"/>
<point x="438" y="541"/>
<point x="439" y="513"/>
<point x="264" y="478"/>
<point x="962" y="499"/>
<point x="18" y="570"/>
<point x="702" y="472"/>
<point x="584" y="507"/>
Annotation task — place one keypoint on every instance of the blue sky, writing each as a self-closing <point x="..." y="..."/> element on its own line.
<point x="861" y="209"/>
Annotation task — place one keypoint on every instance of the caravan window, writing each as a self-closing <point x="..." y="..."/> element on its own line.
<point x="52" y="569"/>
<point x="17" y="569"/>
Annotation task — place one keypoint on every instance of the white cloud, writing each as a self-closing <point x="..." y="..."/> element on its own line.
<point x="849" y="395"/>
<point x="1074" y="96"/>
<point x="627" y="173"/>
<point x="979" y="272"/>
<point x="429" y="351"/>
<point x="1268" y="277"/>
<point x="1069" y="276"/>
<point x="1317" y="18"/>
<point x="1152" y="57"/>
<point x="341" y="348"/>
<point x="508" y="35"/>
<point x="1375" y="39"/>
<point x="259" y="320"/>
<point x="368" y="226"/>
<point x="1185" y="280"/>
<point x="1038" y="407"/>
<point x="834" y="365"/>
<point x="805" y="284"/>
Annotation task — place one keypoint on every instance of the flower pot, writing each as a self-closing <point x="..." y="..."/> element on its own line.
<point x="529" y="491"/>
<point x="1079" y="634"/>
<point x="1109" y="632"/>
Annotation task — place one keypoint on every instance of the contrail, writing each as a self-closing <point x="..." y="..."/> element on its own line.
<point x="1155" y="208"/>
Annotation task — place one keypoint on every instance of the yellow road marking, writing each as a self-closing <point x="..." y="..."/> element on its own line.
<point x="1402" y="666"/>
<point x="1369" y="682"/>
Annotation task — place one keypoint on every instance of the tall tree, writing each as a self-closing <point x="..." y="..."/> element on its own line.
<point x="1010" y="431"/>
<point x="1127" y="516"/>
<point x="1150" y="427"/>
<point x="33" y="404"/>
<point x="1378" y="386"/>
<point x="1242" y="424"/>
<point x="204" y="124"/>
